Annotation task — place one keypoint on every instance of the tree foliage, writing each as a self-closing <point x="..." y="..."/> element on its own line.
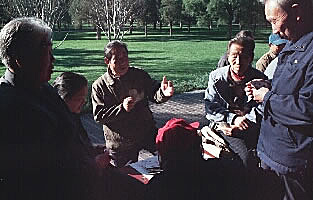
<point x="195" y="10"/>
<point x="243" y="12"/>
<point x="171" y="11"/>
<point x="148" y="12"/>
<point x="110" y="16"/>
<point x="50" y="11"/>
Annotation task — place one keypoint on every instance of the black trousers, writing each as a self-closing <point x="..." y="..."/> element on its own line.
<point x="243" y="144"/>
<point x="271" y="185"/>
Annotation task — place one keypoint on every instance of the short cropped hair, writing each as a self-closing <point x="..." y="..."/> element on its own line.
<point x="68" y="84"/>
<point x="245" y="33"/>
<point x="246" y="42"/>
<point x="112" y="45"/>
<point x="16" y="38"/>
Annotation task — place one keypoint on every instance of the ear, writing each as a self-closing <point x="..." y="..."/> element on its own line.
<point x="106" y="60"/>
<point x="17" y="65"/>
<point x="252" y="57"/>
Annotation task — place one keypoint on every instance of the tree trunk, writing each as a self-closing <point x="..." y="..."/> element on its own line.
<point x="131" y="27"/>
<point x="230" y="28"/>
<point x="154" y="25"/>
<point x="59" y="26"/>
<point x="189" y="25"/>
<point x="80" y="25"/>
<point x="160" y="25"/>
<point x="171" y="28"/>
<point x="181" y="25"/>
<point x="146" y="29"/>
<point x="98" y="33"/>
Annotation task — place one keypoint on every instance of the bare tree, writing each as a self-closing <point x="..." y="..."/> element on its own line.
<point x="50" y="11"/>
<point x="111" y="16"/>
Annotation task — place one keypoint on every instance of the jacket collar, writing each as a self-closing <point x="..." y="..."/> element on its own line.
<point x="301" y="45"/>
<point x="17" y="81"/>
<point x="10" y="77"/>
<point x="108" y="78"/>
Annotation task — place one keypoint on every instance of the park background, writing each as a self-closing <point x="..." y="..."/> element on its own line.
<point x="182" y="39"/>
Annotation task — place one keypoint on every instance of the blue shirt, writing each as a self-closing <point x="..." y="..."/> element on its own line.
<point x="285" y="142"/>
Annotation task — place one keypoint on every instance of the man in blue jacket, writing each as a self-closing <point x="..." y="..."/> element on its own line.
<point x="285" y="144"/>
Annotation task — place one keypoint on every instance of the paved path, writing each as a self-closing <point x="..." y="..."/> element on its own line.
<point x="189" y="106"/>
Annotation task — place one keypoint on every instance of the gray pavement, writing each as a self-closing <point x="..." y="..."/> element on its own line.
<point x="189" y="106"/>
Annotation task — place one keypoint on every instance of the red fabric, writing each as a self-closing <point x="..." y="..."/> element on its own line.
<point x="236" y="77"/>
<point x="134" y="174"/>
<point x="177" y="135"/>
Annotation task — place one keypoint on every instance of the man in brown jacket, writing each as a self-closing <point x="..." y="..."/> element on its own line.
<point x="120" y="103"/>
<point x="276" y="44"/>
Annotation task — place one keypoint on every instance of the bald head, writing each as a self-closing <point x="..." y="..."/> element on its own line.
<point x="291" y="19"/>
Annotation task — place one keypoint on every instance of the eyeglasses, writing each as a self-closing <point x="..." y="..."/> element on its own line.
<point x="279" y="20"/>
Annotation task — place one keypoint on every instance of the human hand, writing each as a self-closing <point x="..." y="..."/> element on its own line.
<point x="167" y="87"/>
<point x="258" y="95"/>
<point x="229" y="130"/>
<point x="129" y="103"/>
<point x="249" y="90"/>
<point x="257" y="88"/>
<point x="103" y="160"/>
<point x="242" y="123"/>
<point x="258" y="83"/>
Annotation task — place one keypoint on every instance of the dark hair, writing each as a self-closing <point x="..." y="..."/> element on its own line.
<point x="69" y="83"/>
<point x="112" y="45"/>
<point x="245" y="33"/>
<point x="246" y="42"/>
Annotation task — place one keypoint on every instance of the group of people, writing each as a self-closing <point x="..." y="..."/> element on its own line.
<point x="46" y="153"/>
<point x="238" y="99"/>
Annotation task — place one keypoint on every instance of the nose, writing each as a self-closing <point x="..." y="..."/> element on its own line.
<point x="274" y="29"/>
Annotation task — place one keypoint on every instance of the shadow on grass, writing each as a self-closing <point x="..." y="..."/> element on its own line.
<point x="70" y="57"/>
<point x="196" y="34"/>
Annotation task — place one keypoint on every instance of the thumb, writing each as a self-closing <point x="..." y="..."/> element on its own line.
<point x="164" y="80"/>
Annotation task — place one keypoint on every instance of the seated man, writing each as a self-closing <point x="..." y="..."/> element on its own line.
<point x="226" y="102"/>
<point x="224" y="60"/>
<point x="120" y="103"/>
<point x="186" y="175"/>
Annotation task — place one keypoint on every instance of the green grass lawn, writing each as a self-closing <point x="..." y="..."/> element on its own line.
<point x="185" y="58"/>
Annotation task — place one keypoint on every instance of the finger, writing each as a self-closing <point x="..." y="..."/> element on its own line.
<point x="164" y="80"/>
<point x="245" y="125"/>
<point x="228" y="133"/>
<point x="170" y="83"/>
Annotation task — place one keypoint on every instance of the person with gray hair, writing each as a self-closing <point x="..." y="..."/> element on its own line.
<point x="40" y="154"/>
<point x="120" y="103"/>
<point x="285" y="145"/>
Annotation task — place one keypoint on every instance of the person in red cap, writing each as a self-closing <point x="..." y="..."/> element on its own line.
<point x="186" y="175"/>
<point x="178" y="142"/>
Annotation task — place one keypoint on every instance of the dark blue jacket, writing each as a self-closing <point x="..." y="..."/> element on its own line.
<point x="286" y="142"/>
